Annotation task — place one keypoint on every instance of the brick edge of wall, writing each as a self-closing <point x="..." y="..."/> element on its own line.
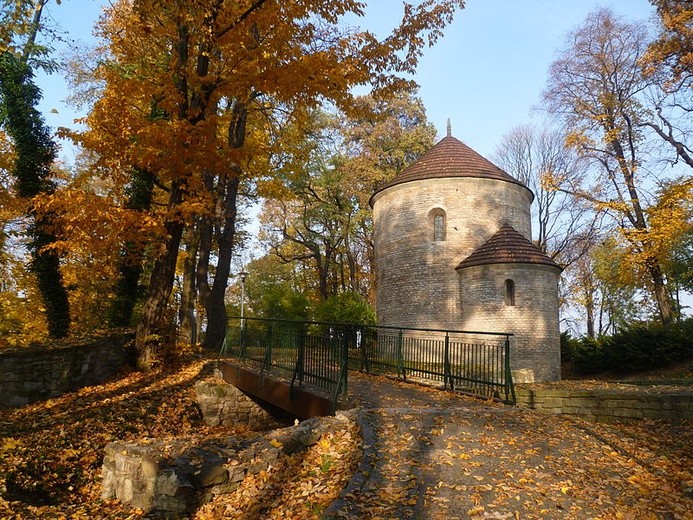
<point x="608" y="405"/>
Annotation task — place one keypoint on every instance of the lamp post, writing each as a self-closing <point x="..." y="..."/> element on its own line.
<point x="243" y="276"/>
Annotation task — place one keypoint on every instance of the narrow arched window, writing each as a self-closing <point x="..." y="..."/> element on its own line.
<point x="436" y="219"/>
<point x="438" y="228"/>
<point x="509" y="293"/>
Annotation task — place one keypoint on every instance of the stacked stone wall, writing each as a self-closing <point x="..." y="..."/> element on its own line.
<point x="170" y="479"/>
<point x="39" y="373"/>
<point x="223" y="404"/>
<point x="608" y="405"/>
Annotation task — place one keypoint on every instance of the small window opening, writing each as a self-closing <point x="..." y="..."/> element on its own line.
<point x="509" y="293"/>
<point x="438" y="228"/>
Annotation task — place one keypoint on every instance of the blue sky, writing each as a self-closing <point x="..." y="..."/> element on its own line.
<point x="486" y="74"/>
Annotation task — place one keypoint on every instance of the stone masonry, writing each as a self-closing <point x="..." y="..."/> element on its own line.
<point x="627" y="402"/>
<point x="450" y="233"/>
<point x="38" y="373"/>
<point x="223" y="404"/>
<point x="170" y="479"/>
<point x="416" y="273"/>
<point x="535" y="345"/>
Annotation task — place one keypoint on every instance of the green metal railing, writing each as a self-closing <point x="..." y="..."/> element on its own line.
<point x="319" y="354"/>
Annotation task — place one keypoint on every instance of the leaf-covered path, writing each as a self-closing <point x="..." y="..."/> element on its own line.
<point x="427" y="454"/>
<point x="435" y="455"/>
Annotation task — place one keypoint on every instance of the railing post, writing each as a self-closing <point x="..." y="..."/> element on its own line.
<point x="447" y="376"/>
<point x="400" y="355"/>
<point x="243" y="339"/>
<point x="267" y="359"/>
<point x="345" y="361"/>
<point x="299" y="368"/>
<point x="302" y="355"/>
<point x="225" y="342"/>
<point x="509" y="387"/>
<point x="365" y="365"/>
<point x="341" y="386"/>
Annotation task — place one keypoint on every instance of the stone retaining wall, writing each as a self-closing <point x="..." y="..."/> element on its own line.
<point x="627" y="402"/>
<point x="170" y="479"/>
<point x="36" y="374"/>
<point x="223" y="404"/>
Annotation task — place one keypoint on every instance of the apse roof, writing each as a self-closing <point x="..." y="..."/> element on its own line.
<point x="507" y="246"/>
<point x="450" y="157"/>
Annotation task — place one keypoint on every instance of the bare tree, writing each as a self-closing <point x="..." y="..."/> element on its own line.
<point x="561" y="222"/>
<point x="596" y="88"/>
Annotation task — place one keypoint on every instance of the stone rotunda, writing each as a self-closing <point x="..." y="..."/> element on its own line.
<point x="452" y="240"/>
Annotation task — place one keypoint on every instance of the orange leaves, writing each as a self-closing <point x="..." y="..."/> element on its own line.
<point x="557" y="467"/>
<point x="51" y="452"/>
<point x="526" y="466"/>
<point x="197" y="58"/>
<point x="299" y="486"/>
<point x="672" y="51"/>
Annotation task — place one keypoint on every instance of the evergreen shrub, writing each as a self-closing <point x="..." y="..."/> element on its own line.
<point x="640" y="346"/>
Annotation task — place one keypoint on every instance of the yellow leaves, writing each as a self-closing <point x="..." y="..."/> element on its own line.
<point x="477" y="510"/>
<point x="9" y="444"/>
<point x="296" y="486"/>
<point x="276" y="443"/>
<point x="21" y="317"/>
<point x="578" y="140"/>
<point x="56" y="448"/>
<point x="672" y="215"/>
<point x="672" y="50"/>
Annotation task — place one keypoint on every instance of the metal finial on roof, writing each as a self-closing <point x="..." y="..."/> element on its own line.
<point x="449" y="128"/>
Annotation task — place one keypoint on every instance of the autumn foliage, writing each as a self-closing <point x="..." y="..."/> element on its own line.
<point x="423" y="449"/>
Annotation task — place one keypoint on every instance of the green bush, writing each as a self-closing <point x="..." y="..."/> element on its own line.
<point x="568" y="345"/>
<point x="346" y="307"/>
<point x="590" y="355"/>
<point x="639" y="347"/>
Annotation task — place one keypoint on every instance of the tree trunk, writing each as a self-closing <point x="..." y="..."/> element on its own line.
<point x="151" y="328"/>
<point x="225" y="231"/>
<point x="666" y="311"/>
<point x="213" y="297"/>
<point x="35" y="152"/>
<point x="186" y="314"/>
<point x="216" y="308"/>
<point x="127" y="289"/>
<point x="637" y="218"/>
<point x="45" y="264"/>
<point x="589" y="309"/>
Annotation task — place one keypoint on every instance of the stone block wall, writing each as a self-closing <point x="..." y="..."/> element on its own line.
<point x="223" y="404"/>
<point x="535" y="353"/>
<point x="608" y="404"/>
<point x="39" y="373"/>
<point x="169" y="479"/>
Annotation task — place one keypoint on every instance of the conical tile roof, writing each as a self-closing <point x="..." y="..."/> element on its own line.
<point x="450" y="157"/>
<point x="507" y="246"/>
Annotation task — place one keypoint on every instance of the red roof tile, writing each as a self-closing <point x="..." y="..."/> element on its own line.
<point x="507" y="246"/>
<point x="450" y="157"/>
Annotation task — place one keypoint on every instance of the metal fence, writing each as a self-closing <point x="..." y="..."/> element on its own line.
<point x="319" y="355"/>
